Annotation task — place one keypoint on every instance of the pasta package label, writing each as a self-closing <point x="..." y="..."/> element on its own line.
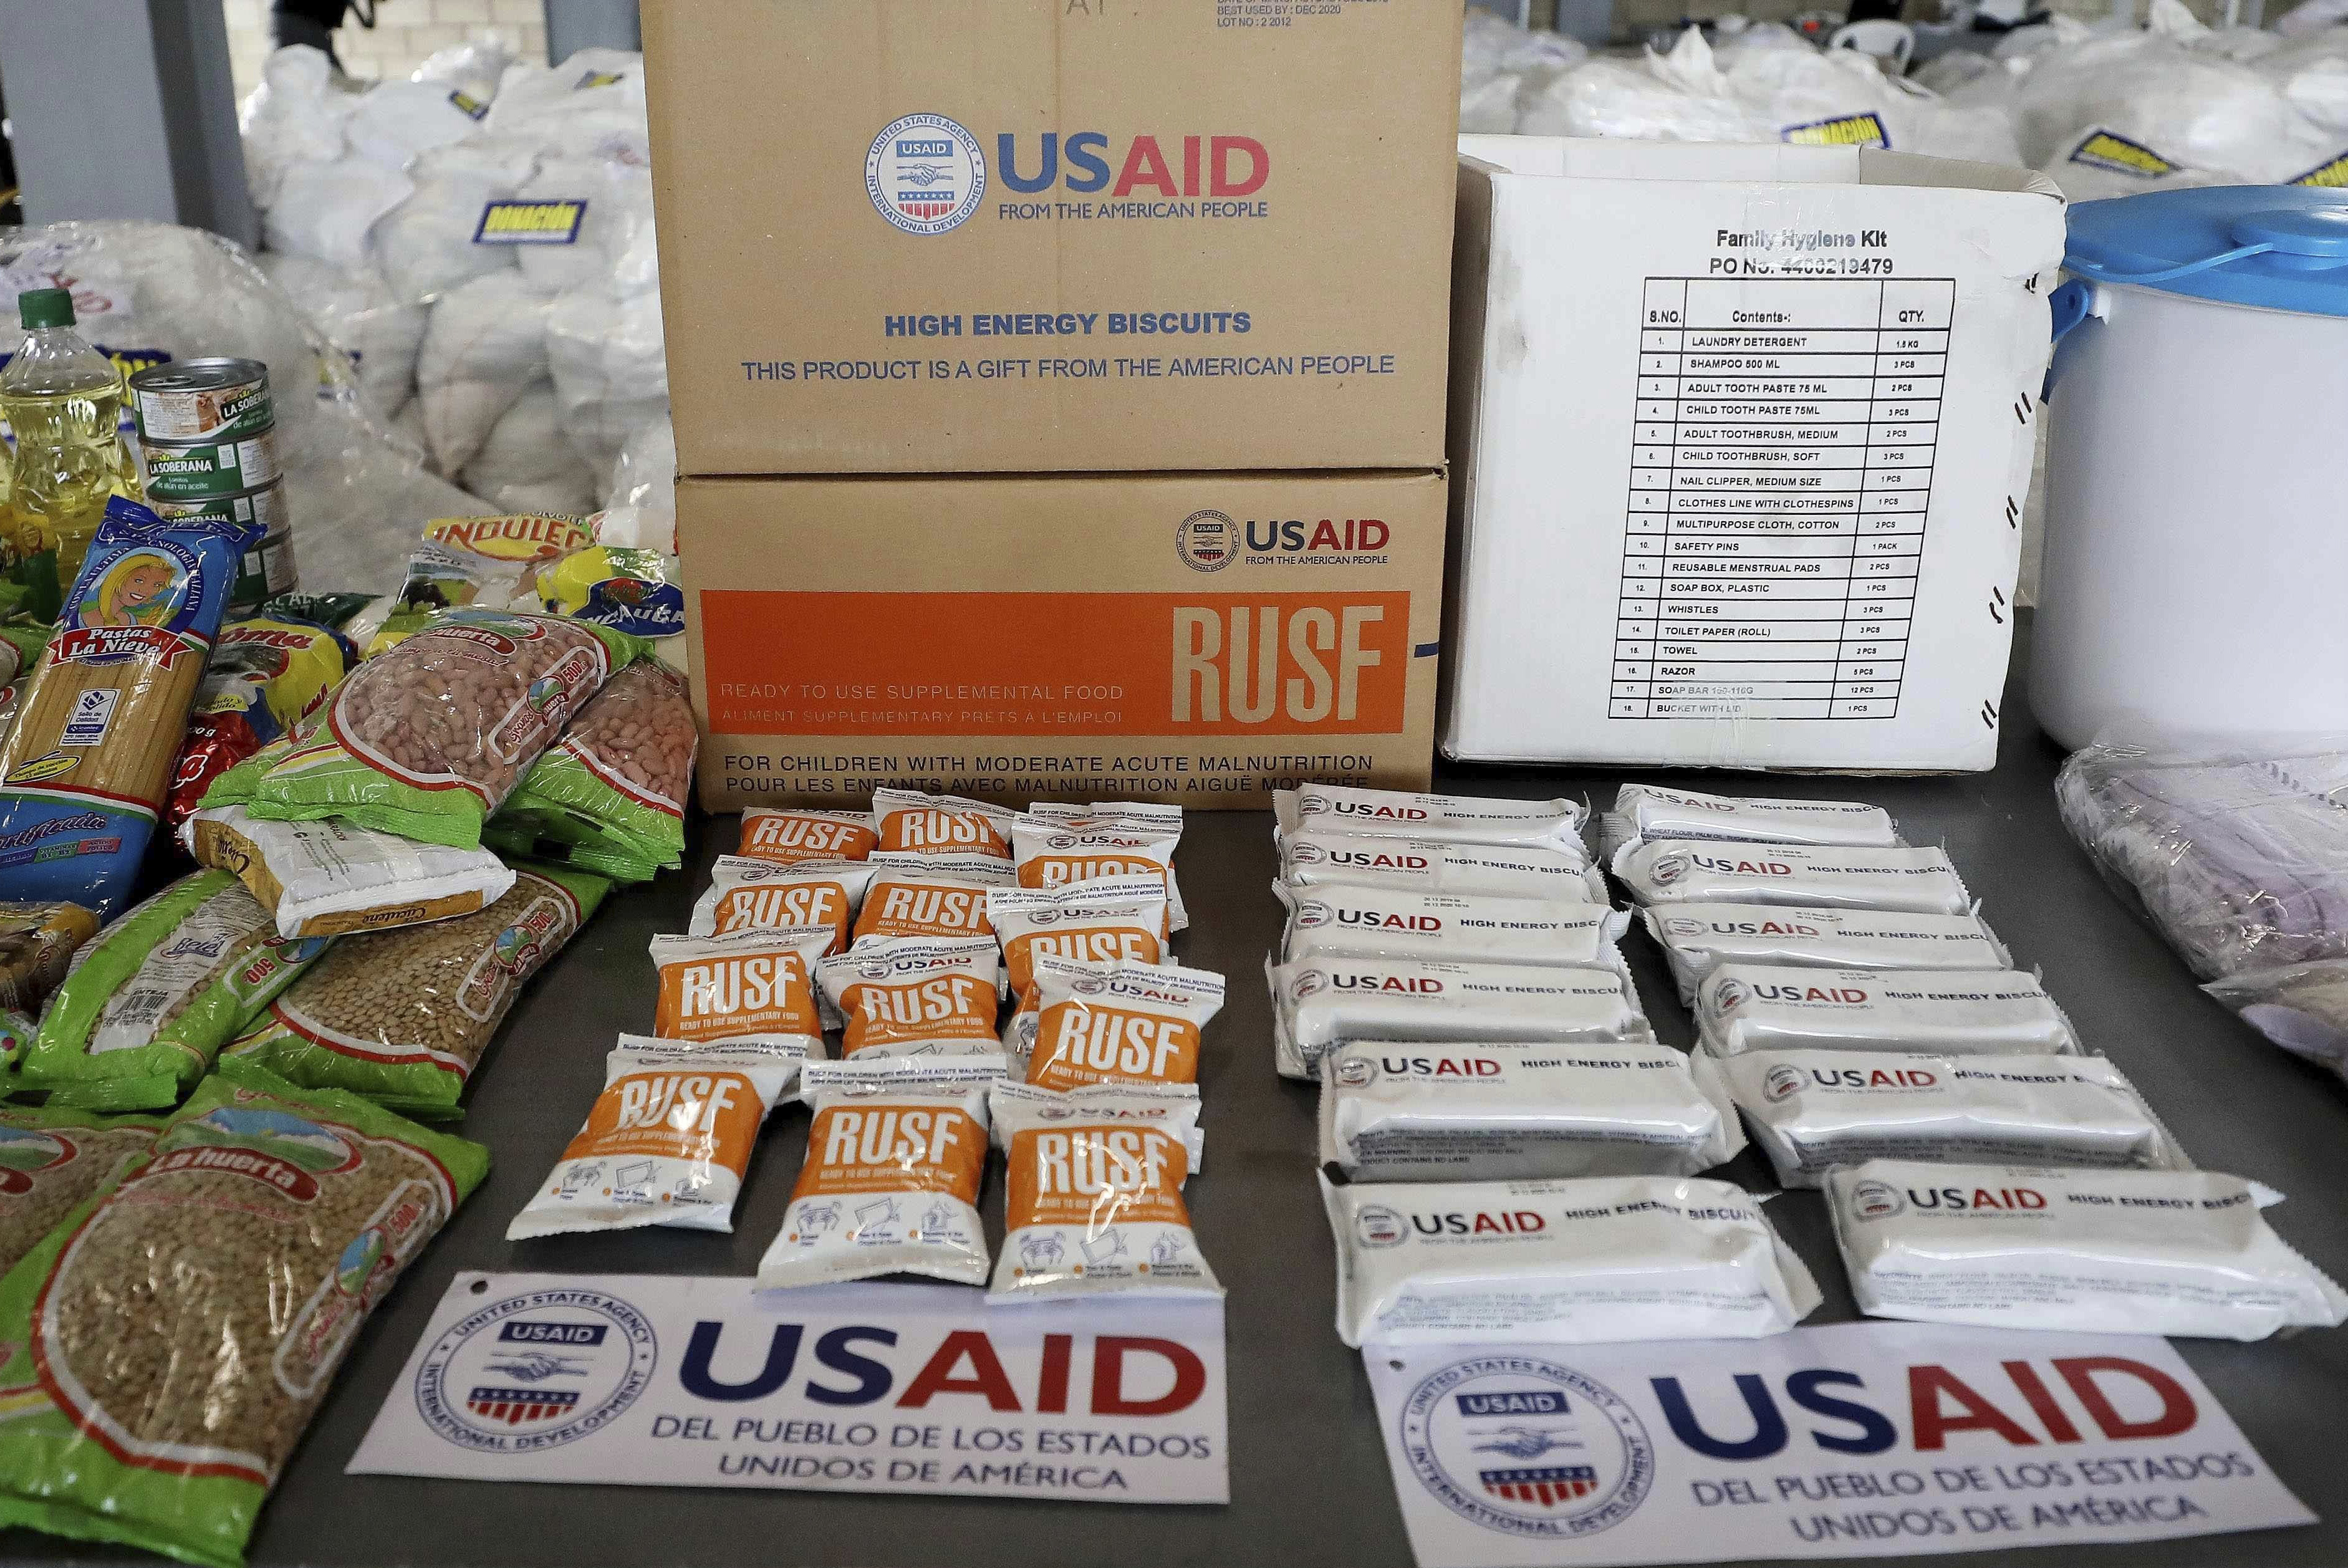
<point x="99" y="724"/>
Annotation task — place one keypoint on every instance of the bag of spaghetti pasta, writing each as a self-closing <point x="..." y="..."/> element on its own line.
<point x="98" y="727"/>
<point x="610" y="794"/>
<point x="429" y="739"/>
<point x="168" y="1342"/>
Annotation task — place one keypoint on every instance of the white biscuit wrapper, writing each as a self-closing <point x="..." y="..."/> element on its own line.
<point x="1429" y="819"/>
<point x="2182" y="1253"/>
<point x="1315" y="1007"/>
<point x="1811" y="1110"/>
<point x="1698" y="938"/>
<point x="1315" y="859"/>
<point x="1651" y="811"/>
<point x="1093" y="1192"/>
<point x="1753" y="1006"/>
<point x="1417" y="1112"/>
<point x="896" y="1152"/>
<point x="669" y="1141"/>
<point x="1560" y="1263"/>
<point x="1792" y="876"/>
<point x="1389" y="922"/>
<point x="330" y="879"/>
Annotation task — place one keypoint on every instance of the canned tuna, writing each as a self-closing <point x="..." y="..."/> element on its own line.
<point x="202" y="400"/>
<point x="266" y="571"/>
<point x="199" y="470"/>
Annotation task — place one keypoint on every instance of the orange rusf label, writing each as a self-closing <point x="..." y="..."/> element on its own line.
<point x="934" y="830"/>
<point x="1110" y="942"/>
<point x="776" y="906"/>
<point x="955" y="1005"/>
<point x="903" y="1145"/>
<point x="1071" y="664"/>
<point x="1096" y="1175"/>
<point x="1080" y="1041"/>
<point x="1051" y="870"/>
<point x="794" y="838"/>
<point x="708" y="1117"/>
<point x="713" y="990"/>
<point x="914" y="906"/>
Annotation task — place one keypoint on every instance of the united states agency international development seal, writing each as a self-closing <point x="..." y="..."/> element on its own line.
<point x="1525" y="1447"/>
<point x="536" y="1371"/>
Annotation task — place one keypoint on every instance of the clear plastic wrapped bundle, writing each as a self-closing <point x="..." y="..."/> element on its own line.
<point x="2241" y="864"/>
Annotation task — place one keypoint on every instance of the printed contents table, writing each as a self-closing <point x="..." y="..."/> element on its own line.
<point x="1780" y="475"/>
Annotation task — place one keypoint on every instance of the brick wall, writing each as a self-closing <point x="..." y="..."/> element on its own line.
<point x="405" y="31"/>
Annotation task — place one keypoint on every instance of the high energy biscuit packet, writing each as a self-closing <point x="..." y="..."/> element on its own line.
<point x="1812" y="1111"/>
<point x="1650" y="811"/>
<point x="1400" y="1111"/>
<point x="1698" y="938"/>
<point x="1315" y="859"/>
<point x="1093" y="1200"/>
<point x="1430" y="819"/>
<point x="669" y="1141"/>
<point x="1754" y="1007"/>
<point x="1318" y="1005"/>
<point x="1791" y="875"/>
<point x="1385" y="923"/>
<point x="2184" y="1252"/>
<point x="895" y="1156"/>
<point x="1560" y="1263"/>
<point x="914" y="998"/>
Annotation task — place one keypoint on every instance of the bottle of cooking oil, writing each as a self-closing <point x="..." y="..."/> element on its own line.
<point x="63" y="399"/>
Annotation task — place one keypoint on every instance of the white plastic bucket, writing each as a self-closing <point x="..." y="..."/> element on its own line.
<point x="2196" y="522"/>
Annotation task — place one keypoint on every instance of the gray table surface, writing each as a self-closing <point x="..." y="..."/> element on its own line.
<point x="1309" y="1480"/>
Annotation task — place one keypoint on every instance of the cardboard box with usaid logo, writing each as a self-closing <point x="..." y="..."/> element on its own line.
<point x="1199" y="639"/>
<point x="1054" y="235"/>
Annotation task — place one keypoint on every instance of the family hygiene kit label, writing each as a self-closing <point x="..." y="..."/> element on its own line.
<point x="655" y="1381"/>
<point x="1852" y="1440"/>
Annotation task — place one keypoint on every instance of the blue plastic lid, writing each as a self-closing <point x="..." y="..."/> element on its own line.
<point x="2279" y="247"/>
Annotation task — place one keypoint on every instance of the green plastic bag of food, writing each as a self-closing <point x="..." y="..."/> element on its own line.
<point x="167" y="1343"/>
<point x="430" y="738"/>
<point x="51" y="1158"/>
<point x="610" y="794"/>
<point x="151" y="1000"/>
<point x="403" y="1016"/>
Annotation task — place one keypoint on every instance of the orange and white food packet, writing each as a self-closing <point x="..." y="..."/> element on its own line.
<point x="894" y="1159"/>
<point x="1052" y="855"/>
<point x="1103" y="922"/>
<point x="1132" y="816"/>
<point x="941" y="897"/>
<point x="911" y="999"/>
<point x="754" y="985"/>
<point x="1093" y="1196"/>
<point x="1119" y="1023"/>
<point x="666" y="1143"/>
<point x="751" y="895"/>
<point x="909" y="822"/>
<point x="791" y="837"/>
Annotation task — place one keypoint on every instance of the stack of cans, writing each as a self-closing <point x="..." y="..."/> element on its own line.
<point x="207" y="443"/>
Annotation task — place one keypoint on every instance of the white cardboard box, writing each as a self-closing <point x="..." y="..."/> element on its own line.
<point x="1740" y="438"/>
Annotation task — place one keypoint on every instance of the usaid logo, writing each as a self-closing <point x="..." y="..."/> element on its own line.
<point x="925" y="174"/>
<point x="1207" y="541"/>
<point x="1669" y="868"/>
<point x="1088" y="986"/>
<point x="1528" y="1448"/>
<point x="1355" y="1072"/>
<point x="1873" y="1199"/>
<point x="1379" y="1226"/>
<point x="1730" y="995"/>
<point x="1781" y="1083"/>
<point x="535" y="1371"/>
<point x="1312" y="983"/>
<point x="1312" y="914"/>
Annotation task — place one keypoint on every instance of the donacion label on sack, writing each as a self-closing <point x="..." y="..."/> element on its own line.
<point x="656" y="1381"/>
